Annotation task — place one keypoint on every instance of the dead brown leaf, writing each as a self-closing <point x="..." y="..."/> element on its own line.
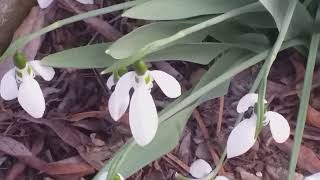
<point x="313" y="117"/>
<point x="307" y="159"/>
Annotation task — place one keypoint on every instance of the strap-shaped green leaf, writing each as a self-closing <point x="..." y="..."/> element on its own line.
<point x="84" y="57"/>
<point x="301" y="20"/>
<point x="181" y="9"/>
<point x="140" y="37"/>
<point x="93" y="56"/>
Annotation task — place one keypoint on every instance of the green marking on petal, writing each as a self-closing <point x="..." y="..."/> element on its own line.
<point x="147" y="79"/>
<point x="29" y="70"/>
<point x="20" y="60"/>
<point x="19" y="74"/>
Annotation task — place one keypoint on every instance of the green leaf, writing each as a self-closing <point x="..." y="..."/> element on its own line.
<point x="304" y="100"/>
<point x="301" y="20"/>
<point x="256" y="20"/>
<point x="226" y="62"/>
<point x="19" y="43"/>
<point x="91" y="56"/>
<point x="201" y="53"/>
<point x="184" y="33"/>
<point x="181" y="9"/>
<point x="137" y="39"/>
<point x="227" y="31"/>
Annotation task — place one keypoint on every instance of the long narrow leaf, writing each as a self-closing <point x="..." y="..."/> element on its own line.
<point x="304" y="102"/>
<point x="19" y="43"/>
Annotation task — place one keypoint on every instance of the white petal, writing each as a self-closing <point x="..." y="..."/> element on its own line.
<point x="221" y="178"/>
<point x="110" y="82"/>
<point x="44" y="3"/>
<point x="313" y="177"/>
<point x="31" y="98"/>
<point x="118" y="106"/>
<point x="168" y="84"/>
<point x="279" y="126"/>
<point x="46" y="72"/>
<point x="247" y="101"/>
<point x="124" y="84"/>
<point x="241" y="138"/>
<point x="200" y="168"/>
<point x="104" y="176"/>
<point x="143" y="117"/>
<point x="85" y="1"/>
<point x="8" y="85"/>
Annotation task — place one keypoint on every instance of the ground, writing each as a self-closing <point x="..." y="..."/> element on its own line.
<point x="77" y="135"/>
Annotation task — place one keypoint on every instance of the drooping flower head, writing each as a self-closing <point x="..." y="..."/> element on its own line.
<point x="46" y="3"/>
<point x="143" y="118"/>
<point x="201" y="169"/>
<point x="19" y="83"/>
<point x="242" y="137"/>
<point x="104" y="176"/>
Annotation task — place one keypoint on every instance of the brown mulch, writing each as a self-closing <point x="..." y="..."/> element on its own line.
<point x="77" y="135"/>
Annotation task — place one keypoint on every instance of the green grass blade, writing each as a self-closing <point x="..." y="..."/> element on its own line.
<point x="19" y="43"/>
<point x="304" y="102"/>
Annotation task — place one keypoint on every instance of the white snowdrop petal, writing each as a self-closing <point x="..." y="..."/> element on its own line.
<point x="279" y="126"/>
<point x="31" y="98"/>
<point x="8" y="85"/>
<point x="44" y="3"/>
<point x="46" y="72"/>
<point x="85" y="1"/>
<point x="241" y="138"/>
<point x="124" y="84"/>
<point x="247" y="101"/>
<point x="200" y="168"/>
<point x="104" y="176"/>
<point x="168" y="84"/>
<point x="143" y="117"/>
<point x="221" y="178"/>
<point x="313" y="177"/>
<point x="110" y="82"/>
<point x="118" y="106"/>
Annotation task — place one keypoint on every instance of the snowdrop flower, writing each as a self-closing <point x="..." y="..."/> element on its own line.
<point x="242" y="137"/>
<point x="104" y="176"/>
<point x="46" y="3"/>
<point x="19" y="83"/>
<point x="143" y="118"/>
<point x="200" y="169"/>
<point x="313" y="177"/>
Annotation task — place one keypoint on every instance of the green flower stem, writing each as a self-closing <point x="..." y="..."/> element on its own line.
<point x="224" y="77"/>
<point x="162" y="43"/>
<point x="19" y="43"/>
<point x="304" y="101"/>
<point x="270" y="59"/>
